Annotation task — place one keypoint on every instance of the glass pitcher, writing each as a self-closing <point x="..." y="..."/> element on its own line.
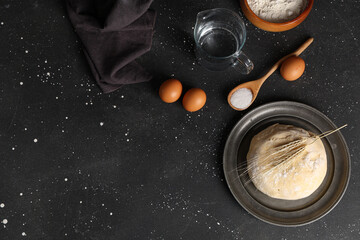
<point x="220" y="35"/>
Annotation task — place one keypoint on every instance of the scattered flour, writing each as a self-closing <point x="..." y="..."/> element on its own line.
<point x="241" y="98"/>
<point x="277" y="10"/>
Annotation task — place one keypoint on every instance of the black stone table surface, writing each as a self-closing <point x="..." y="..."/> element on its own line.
<point x="79" y="164"/>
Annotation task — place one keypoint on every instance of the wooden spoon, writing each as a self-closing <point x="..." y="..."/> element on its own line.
<point x="255" y="85"/>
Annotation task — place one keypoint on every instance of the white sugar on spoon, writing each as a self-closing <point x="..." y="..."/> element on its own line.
<point x="241" y="98"/>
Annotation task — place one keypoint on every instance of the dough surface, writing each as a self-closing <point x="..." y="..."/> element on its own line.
<point x="294" y="179"/>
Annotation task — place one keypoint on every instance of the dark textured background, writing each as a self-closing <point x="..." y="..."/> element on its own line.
<point x="126" y="165"/>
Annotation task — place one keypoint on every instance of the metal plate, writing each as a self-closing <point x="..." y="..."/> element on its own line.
<point x="286" y="212"/>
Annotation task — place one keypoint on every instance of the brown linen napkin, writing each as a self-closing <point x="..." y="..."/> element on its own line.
<point x="114" y="33"/>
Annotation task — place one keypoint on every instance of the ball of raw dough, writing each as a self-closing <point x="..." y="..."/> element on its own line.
<point x="296" y="178"/>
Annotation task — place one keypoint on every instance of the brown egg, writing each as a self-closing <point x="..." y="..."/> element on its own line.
<point x="170" y="90"/>
<point x="194" y="99"/>
<point x="292" y="68"/>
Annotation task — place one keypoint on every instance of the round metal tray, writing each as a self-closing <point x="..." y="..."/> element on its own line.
<point x="286" y="212"/>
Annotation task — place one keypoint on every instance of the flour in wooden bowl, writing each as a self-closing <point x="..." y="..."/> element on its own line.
<point x="277" y="11"/>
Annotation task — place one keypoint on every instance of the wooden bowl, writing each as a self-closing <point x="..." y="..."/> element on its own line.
<point x="270" y="26"/>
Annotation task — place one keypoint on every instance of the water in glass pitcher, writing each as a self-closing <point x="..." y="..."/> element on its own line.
<point x="218" y="42"/>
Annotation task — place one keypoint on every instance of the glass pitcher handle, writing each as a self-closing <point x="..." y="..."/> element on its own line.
<point x="244" y="64"/>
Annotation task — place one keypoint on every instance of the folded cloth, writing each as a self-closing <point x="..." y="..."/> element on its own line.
<point x="114" y="33"/>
